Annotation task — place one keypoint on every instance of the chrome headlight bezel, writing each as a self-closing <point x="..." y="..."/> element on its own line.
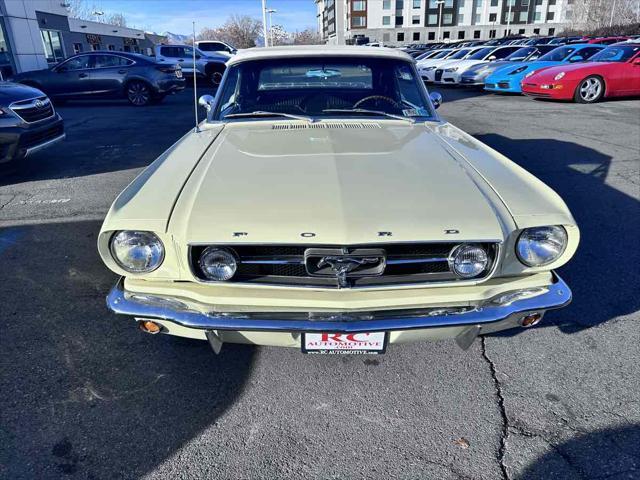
<point x="154" y="255"/>
<point x="558" y="243"/>
<point x="226" y="253"/>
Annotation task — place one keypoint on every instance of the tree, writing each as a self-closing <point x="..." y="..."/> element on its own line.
<point x="591" y="15"/>
<point x="240" y="31"/>
<point x="308" y="36"/>
<point x="84" y="10"/>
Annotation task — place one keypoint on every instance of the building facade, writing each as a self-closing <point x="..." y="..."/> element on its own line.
<point x="35" y="34"/>
<point x="401" y="22"/>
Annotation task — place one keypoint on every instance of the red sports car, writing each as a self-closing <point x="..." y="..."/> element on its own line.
<point x="613" y="72"/>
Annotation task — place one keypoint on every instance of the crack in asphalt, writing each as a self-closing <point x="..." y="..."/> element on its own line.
<point x="503" y="413"/>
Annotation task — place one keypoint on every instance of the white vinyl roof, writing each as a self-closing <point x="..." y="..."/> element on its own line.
<point x="261" y="53"/>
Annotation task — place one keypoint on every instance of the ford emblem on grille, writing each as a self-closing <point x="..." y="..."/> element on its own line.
<point x="344" y="264"/>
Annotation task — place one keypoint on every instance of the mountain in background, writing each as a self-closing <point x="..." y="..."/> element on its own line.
<point x="176" y="37"/>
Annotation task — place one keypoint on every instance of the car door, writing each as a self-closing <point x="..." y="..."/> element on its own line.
<point x="71" y="78"/>
<point x="633" y="66"/>
<point x="623" y="78"/>
<point x="109" y="73"/>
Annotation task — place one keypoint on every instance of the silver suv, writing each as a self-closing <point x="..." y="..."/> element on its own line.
<point x="210" y="65"/>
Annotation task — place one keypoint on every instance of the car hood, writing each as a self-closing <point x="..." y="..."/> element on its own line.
<point x="464" y="65"/>
<point x="568" y="69"/>
<point x="12" y="92"/>
<point x="275" y="182"/>
<point x="486" y="67"/>
<point x="504" y="72"/>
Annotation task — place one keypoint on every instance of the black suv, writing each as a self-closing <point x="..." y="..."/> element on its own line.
<point x="28" y="122"/>
<point x="139" y="79"/>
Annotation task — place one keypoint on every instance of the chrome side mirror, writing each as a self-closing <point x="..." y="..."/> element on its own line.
<point x="436" y="99"/>
<point x="206" y="101"/>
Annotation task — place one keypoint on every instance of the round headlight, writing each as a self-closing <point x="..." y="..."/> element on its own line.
<point x="559" y="76"/>
<point x="468" y="261"/>
<point x="218" y="264"/>
<point x="137" y="252"/>
<point x="541" y="246"/>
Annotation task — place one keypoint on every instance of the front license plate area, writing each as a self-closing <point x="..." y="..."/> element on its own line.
<point x="364" y="343"/>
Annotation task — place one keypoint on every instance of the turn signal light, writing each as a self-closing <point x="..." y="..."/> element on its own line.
<point x="149" y="327"/>
<point x="531" y="319"/>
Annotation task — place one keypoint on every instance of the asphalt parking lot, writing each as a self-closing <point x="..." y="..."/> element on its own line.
<point x="85" y="395"/>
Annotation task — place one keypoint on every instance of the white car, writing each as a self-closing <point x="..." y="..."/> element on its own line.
<point x="216" y="46"/>
<point x="428" y="72"/>
<point x="452" y="73"/>
<point x="430" y="57"/>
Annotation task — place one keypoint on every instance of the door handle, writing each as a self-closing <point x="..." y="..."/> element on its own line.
<point x="181" y="59"/>
<point x="122" y="71"/>
<point x="82" y="75"/>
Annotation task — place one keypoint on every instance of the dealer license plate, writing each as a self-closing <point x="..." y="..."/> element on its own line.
<point x="344" y="343"/>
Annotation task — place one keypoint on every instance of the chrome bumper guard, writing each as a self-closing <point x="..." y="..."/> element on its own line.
<point x="188" y="313"/>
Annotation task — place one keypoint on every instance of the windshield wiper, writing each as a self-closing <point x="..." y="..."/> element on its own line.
<point x="364" y="110"/>
<point x="263" y="113"/>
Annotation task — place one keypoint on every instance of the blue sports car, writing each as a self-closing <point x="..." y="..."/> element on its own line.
<point x="507" y="79"/>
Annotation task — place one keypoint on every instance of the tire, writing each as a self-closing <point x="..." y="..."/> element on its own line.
<point x="214" y="75"/>
<point x="138" y="93"/>
<point x="589" y="90"/>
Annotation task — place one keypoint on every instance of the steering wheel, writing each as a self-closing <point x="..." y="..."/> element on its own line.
<point x="376" y="97"/>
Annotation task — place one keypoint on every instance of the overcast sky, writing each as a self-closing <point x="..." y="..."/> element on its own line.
<point x="176" y="15"/>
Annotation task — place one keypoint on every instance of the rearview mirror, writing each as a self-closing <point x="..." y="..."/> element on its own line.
<point x="636" y="61"/>
<point x="576" y="58"/>
<point x="436" y="99"/>
<point x="492" y="58"/>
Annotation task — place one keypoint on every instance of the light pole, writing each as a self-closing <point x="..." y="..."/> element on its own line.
<point x="271" y="11"/>
<point x="440" y="3"/>
<point x="509" y="18"/>
<point x="264" y="23"/>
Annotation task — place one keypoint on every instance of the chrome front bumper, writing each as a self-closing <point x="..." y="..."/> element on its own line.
<point x="190" y="314"/>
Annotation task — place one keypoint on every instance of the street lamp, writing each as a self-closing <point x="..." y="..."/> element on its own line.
<point x="264" y="23"/>
<point x="440" y="3"/>
<point x="509" y="18"/>
<point x="271" y="11"/>
<point x="97" y="14"/>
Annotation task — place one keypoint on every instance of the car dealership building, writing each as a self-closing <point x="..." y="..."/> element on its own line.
<point x="37" y="33"/>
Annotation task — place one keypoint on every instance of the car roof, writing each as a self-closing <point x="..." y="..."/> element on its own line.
<point x="131" y="55"/>
<point x="261" y="53"/>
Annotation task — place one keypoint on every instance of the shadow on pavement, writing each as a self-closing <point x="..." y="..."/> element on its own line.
<point x="609" y="453"/>
<point x="85" y="392"/>
<point x="609" y="227"/>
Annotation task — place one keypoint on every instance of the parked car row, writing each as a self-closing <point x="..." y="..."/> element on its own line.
<point x="583" y="72"/>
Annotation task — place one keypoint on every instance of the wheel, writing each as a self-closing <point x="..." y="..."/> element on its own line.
<point x="589" y="90"/>
<point x="138" y="93"/>
<point x="214" y="75"/>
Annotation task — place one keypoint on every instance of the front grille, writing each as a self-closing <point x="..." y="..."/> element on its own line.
<point x="31" y="139"/>
<point x="33" y="110"/>
<point x="439" y="75"/>
<point x="503" y="85"/>
<point x="285" y="264"/>
<point x="490" y="85"/>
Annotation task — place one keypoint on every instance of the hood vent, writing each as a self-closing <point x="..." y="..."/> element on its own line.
<point x="303" y="126"/>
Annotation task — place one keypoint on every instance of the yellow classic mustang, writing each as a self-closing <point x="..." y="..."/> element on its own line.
<point x="324" y="205"/>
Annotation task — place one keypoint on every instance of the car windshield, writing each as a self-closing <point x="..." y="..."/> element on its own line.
<point x="322" y="87"/>
<point x="442" y="54"/>
<point x="480" y="54"/>
<point x="521" y="54"/>
<point x="459" y="54"/>
<point x="618" y="53"/>
<point x="557" y="54"/>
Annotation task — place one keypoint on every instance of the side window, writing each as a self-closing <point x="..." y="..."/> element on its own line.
<point x="171" y="52"/>
<point x="504" y="52"/>
<point x="78" y="63"/>
<point x="409" y="93"/>
<point x="106" y="61"/>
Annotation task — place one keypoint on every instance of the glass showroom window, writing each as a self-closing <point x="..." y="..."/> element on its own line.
<point x="52" y="42"/>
